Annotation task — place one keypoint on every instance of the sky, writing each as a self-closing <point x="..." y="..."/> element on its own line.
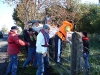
<point x="6" y="14"/>
<point x="92" y="1"/>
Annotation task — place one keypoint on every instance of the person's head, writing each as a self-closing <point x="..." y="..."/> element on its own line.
<point x="69" y="25"/>
<point x="30" y="31"/>
<point x="14" y="28"/>
<point x="37" y="24"/>
<point x="84" y="34"/>
<point x="46" y="28"/>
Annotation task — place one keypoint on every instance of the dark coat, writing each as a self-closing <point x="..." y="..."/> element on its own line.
<point x="85" y="45"/>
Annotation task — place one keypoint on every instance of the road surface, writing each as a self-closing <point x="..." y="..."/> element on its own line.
<point x="3" y="55"/>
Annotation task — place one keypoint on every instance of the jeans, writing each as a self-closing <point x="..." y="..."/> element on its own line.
<point x="85" y="56"/>
<point x="31" y="53"/>
<point x="12" y="66"/>
<point x="42" y="65"/>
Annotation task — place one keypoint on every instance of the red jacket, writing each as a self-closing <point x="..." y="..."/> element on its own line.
<point x="14" y="43"/>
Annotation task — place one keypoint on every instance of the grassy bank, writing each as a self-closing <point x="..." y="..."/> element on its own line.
<point x="94" y="58"/>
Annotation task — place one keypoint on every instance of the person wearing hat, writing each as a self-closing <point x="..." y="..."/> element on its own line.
<point x="85" y="40"/>
<point x="60" y="36"/>
<point x="14" y="44"/>
<point x="41" y="49"/>
<point x="32" y="48"/>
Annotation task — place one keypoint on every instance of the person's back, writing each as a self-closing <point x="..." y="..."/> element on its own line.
<point x="61" y="35"/>
<point x="41" y="49"/>
<point x="14" y="43"/>
<point x="32" y="39"/>
<point x="13" y="48"/>
<point x="85" y="40"/>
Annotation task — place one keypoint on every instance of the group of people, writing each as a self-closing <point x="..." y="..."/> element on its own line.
<point x="37" y="44"/>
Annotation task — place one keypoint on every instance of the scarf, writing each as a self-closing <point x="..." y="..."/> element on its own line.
<point x="46" y="35"/>
<point x="85" y="38"/>
<point x="32" y="36"/>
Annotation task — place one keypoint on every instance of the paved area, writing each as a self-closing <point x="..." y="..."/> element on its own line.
<point x="3" y="55"/>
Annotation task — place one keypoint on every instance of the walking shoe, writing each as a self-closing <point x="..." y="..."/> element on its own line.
<point x="87" y="70"/>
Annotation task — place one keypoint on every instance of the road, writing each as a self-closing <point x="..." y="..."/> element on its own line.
<point x="3" y="55"/>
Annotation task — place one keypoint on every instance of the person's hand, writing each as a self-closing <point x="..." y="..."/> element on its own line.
<point x="25" y="25"/>
<point x="69" y="41"/>
<point x="64" y="40"/>
<point x="44" y="54"/>
<point x="28" y="44"/>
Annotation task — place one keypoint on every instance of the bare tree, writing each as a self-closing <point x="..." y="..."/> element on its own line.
<point x="4" y="29"/>
<point x="59" y="10"/>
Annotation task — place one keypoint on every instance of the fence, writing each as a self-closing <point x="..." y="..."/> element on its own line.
<point x="72" y="62"/>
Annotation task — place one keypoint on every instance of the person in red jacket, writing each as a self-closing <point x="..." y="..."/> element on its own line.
<point x="14" y="44"/>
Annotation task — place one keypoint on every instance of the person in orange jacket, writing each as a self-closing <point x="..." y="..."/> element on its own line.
<point x="60" y="36"/>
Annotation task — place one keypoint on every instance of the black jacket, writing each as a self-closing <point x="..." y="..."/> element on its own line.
<point x="33" y="40"/>
<point x="85" y="45"/>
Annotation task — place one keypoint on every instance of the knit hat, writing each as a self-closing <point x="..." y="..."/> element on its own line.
<point x="46" y="27"/>
<point x="14" y="27"/>
<point x="84" y="33"/>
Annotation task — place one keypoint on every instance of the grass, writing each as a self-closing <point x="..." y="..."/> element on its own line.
<point x="94" y="59"/>
<point x="29" y="70"/>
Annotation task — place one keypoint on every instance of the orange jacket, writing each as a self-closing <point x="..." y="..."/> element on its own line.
<point x="62" y="31"/>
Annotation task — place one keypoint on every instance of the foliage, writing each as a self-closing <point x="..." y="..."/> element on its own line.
<point x="85" y="17"/>
<point x="4" y="29"/>
<point x="23" y="12"/>
<point x="94" y="54"/>
<point x="16" y="18"/>
<point x="59" y="11"/>
<point x="90" y="19"/>
<point x="69" y="11"/>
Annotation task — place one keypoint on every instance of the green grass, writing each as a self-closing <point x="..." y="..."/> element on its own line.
<point x="94" y="59"/>
<point x="29" y="70"/>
